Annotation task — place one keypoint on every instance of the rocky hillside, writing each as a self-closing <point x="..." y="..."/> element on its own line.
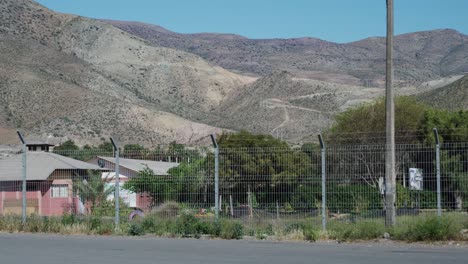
<point x="289" y="107"/>
<point x="453" y="96"/>
<point x="69" y="76"/>
<point x="53" y="95"/>
<point x="64" y="76"/>
<point x="419" y="56"/>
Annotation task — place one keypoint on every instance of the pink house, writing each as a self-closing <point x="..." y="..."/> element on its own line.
<point x="49" y="183"/>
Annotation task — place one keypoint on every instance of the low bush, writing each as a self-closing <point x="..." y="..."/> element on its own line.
<point x="231" y="230"/>
<point x="187" y="225"/>
<point x="68" y="219"/>
<point x="429" y="228"/>
<point x="10" y="224"/>
<point x="216" y="229"/>
<point x="408" y="228"/>
<point x="135" y="229"/>
<point x="106" y="228"/>
<point x="310" y="233"/>
<point x="356" y="231"/>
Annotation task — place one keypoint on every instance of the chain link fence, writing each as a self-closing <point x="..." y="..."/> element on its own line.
<point x="255" y="186"/>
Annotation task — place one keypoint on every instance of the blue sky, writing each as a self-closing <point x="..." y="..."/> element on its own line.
<point x="333" y="20"/>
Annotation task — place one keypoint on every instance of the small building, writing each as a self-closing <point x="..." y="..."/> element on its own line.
<point x="129" y="168"/>
<point x="38" y="146"/>
<point x="49" y="183"/>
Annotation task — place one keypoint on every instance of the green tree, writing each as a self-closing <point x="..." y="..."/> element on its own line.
<point x="135" y="151"/>
<point x="261" y="165"/>
<point x="159" y="188"/>
<point x="193" y="181"/>
<point x="366" y="123"/>
<point x="106" y="147"/>
<point x="69" y="149"/>
<point x="92" y="189"/>
<point x="67" y="145"/>
<point x="452" y="126"/>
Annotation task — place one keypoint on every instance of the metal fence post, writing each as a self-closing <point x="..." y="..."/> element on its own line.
<point x="23" y="206"/>
<point x="216" y="172"/>
<point x="439" y="206"/>
<point x="117" y="185"/>
<point x="324" y="193"/>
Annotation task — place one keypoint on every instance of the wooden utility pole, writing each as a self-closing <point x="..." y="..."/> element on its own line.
<point x="390" y="172"/>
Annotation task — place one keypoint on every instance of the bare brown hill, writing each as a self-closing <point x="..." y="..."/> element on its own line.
<point x="64" y="76"/>
<point x="56" y="96"/>
<point x="290" y="108"/>
<point x="75" y="77"/>
<point x="419" y="56"/>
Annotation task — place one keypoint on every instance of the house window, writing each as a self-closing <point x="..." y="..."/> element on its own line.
<point x="59" y="191"/>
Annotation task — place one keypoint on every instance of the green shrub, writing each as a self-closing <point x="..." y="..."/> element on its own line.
<point x="357" y="198"/>
<point x="260" y="235"/>
<point x="310" y="233"/>
<point x="308" y="230"/>
<point x="407" y="198"/>
<point x="216" y="230"/>
<point x="159" y="226"/>
<point x="12" y="224"/>
<point x="187" y="224"/>
<point x="231" y="230"/>
<point x="33" y="224"/>
<point x="306" y="196"/>
<point x="52" y="225"/>
<point x="105" y="228"/>
<point x="269" y="230"/>
<point x="107" y="208"/>
<point x="429" y="228"/>
<point x="205" y="227"/>
<point x="356" y="231"/>
<point x="289" y="227"/>
<point x="250" y="232"/>
<point x="94" y="223"/>
<point x="135" y="229"/>
<point x="68" y="219"/>
<point x="148" y="223"/>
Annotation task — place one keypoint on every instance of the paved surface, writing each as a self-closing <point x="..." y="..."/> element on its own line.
<point x="46" y="249"/>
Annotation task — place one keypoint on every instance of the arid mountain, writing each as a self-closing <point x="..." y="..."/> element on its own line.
<point x="293" y="108"/>
<point x="64" y="76"/>
<point x="76" y="77"/>
<point x="54" y="95"/>
<point x="419" y="56"/>
<point x="290" y="107"/>
<point x="453" y="96"/>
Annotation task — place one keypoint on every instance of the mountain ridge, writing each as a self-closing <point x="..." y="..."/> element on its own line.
<point x="66" y="76"/>
<point x="417" y="54"/>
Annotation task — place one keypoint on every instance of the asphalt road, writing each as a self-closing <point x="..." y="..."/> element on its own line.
<point x="46" y="249"/>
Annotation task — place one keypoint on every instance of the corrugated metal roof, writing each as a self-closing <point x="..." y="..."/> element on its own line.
<point x="158" y="167"/>
<point x="39" y="166"/>
<point x="36" y="142"/>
